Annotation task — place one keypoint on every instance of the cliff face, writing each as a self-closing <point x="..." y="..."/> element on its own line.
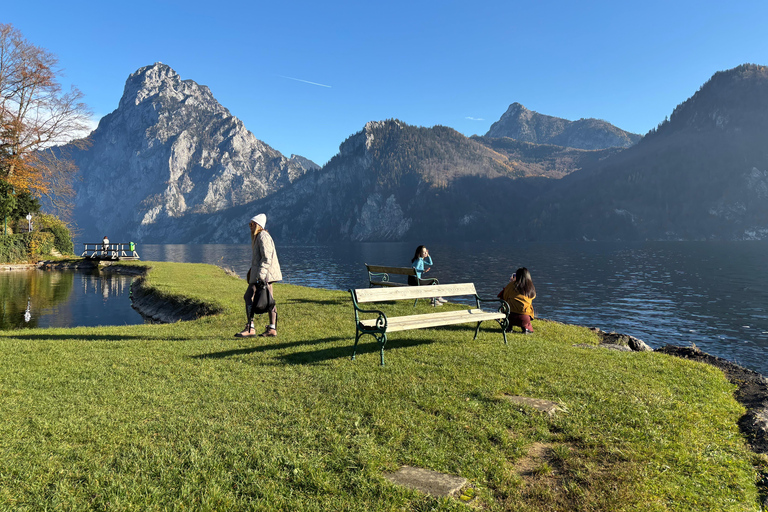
<point x="525" y="125"/>
<point x="170" y="150"/>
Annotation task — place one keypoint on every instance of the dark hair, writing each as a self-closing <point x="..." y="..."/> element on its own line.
<point x="418" y="253"/>
<point x="524" y="283"/>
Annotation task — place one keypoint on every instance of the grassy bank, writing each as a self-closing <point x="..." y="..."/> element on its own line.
<point x="185" y="416"/>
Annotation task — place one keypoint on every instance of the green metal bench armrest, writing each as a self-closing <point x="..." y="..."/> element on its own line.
<point x="381" y="275"/>
<point x="503" y="308"/>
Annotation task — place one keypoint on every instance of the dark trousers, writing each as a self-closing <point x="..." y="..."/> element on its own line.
<point x="522" y="321"/>
<point x="250" y="295"/>
<point x="415" y="281"/>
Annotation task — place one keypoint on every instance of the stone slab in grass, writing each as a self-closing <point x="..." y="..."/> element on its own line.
<point x="427" y="481"/>
<point x="544" y="406"/>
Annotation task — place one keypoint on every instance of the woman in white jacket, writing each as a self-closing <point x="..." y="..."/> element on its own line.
<point x="265" y="270"/>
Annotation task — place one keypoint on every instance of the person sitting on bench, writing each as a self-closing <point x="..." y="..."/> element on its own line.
<point x="420" y="261"/>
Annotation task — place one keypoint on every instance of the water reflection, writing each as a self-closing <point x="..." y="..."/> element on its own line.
<point x="64" y="299"/>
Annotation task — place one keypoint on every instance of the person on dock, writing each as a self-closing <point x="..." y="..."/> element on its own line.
<point x="265" y="270"/>
<point x="105" y="245"/>
<point x="519" y="294"/>
<point x="422" y="262"/>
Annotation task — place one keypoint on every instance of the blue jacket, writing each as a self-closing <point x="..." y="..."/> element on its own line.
<point x="420" y="263"/>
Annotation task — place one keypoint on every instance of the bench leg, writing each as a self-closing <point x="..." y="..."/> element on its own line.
<point x="477" y="330"/>
<point x="382" y="342"/>
<point x="354" y="349"/>
<point x="504" y="324"/>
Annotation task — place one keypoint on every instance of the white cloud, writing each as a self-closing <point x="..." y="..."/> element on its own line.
<point x="474" y="118"/>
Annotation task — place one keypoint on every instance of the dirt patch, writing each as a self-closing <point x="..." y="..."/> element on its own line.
<point x="752" y="393"/>
<point x="536" y="462"/>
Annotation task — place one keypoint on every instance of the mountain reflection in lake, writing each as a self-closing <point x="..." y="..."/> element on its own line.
<point x="713" y="294"/>
<point x="38" y="298"/>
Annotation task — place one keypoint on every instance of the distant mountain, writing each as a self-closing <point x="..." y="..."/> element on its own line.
<point x="170" y="150"/>
<point x="306" y="163"/>
<point x="544" y="160"/>
<point x="525" y="125"/>
<point x="390" y="181"/>
<point x="702" y="174"/>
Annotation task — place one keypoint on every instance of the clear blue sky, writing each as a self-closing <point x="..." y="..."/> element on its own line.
<point x="458" y="64"/>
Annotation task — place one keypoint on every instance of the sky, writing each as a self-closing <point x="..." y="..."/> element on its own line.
<point x="303" y="76"/>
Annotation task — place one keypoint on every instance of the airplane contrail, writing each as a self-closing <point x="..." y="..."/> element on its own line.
<point x="305" y="81"/>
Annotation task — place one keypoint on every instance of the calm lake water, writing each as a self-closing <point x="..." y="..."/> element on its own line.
<point x="38" y="298"/>
<point x="712" y="294"/>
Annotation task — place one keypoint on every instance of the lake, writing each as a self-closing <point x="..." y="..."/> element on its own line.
<point x="713" y="294"/>
<point x="39" y="298"/>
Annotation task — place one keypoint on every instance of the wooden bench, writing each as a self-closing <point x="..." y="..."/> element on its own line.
<point x="381" y="325"/>
<point x="379" y="275"/>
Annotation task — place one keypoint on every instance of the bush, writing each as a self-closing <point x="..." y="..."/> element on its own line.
<point x="57" y="227"/>
<point x="13" y="249"/>
<point x="26" y="247"/>
<point x="39" y="243"/>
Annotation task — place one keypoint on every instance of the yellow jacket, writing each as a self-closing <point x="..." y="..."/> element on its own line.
<point x="519" y="304"/>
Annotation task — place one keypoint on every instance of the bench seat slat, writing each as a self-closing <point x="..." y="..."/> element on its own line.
<point x="403" y="323"/>
<point x="413" y="292"/>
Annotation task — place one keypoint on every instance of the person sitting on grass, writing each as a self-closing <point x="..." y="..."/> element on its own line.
<point x="519" y="294"/>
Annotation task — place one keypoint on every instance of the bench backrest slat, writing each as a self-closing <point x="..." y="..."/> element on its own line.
<point x="405" y="271"/>
<point x="413" y="292"/>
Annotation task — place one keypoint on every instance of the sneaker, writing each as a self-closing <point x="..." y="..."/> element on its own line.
<point x="269" y="333"/>
<point x="247" y="332"/>
<point x="440" y="299"/>
<point x="435" y="302"/>
<point x="527" y="331"/>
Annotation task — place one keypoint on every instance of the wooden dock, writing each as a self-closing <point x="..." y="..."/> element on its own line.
<point x="110" y="251"/>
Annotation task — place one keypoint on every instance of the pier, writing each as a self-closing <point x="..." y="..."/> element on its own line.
<point x="110" y="251"/>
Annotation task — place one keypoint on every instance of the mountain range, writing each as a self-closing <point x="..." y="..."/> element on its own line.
<point x="172" y="165"/>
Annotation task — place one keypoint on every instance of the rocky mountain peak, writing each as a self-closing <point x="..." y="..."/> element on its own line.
<point x="169" y="150"/>
<point x="159" y="82"/>
<point x="525" y="125"/>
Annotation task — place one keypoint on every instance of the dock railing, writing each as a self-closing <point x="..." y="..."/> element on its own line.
<point x="110" y="251"/>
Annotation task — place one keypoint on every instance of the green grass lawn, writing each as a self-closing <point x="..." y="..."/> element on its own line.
<point x="186" y="417"/>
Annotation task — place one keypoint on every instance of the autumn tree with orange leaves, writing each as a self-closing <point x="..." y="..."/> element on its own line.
<point x="36" y="115"/>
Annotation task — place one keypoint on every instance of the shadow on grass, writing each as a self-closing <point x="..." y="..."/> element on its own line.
<point x="92" y="337"/>
<point x="266" y="347"/>
<point x="317" y="356"/>
<point x="363" y="347"/>
<point x="334" y="302"/>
